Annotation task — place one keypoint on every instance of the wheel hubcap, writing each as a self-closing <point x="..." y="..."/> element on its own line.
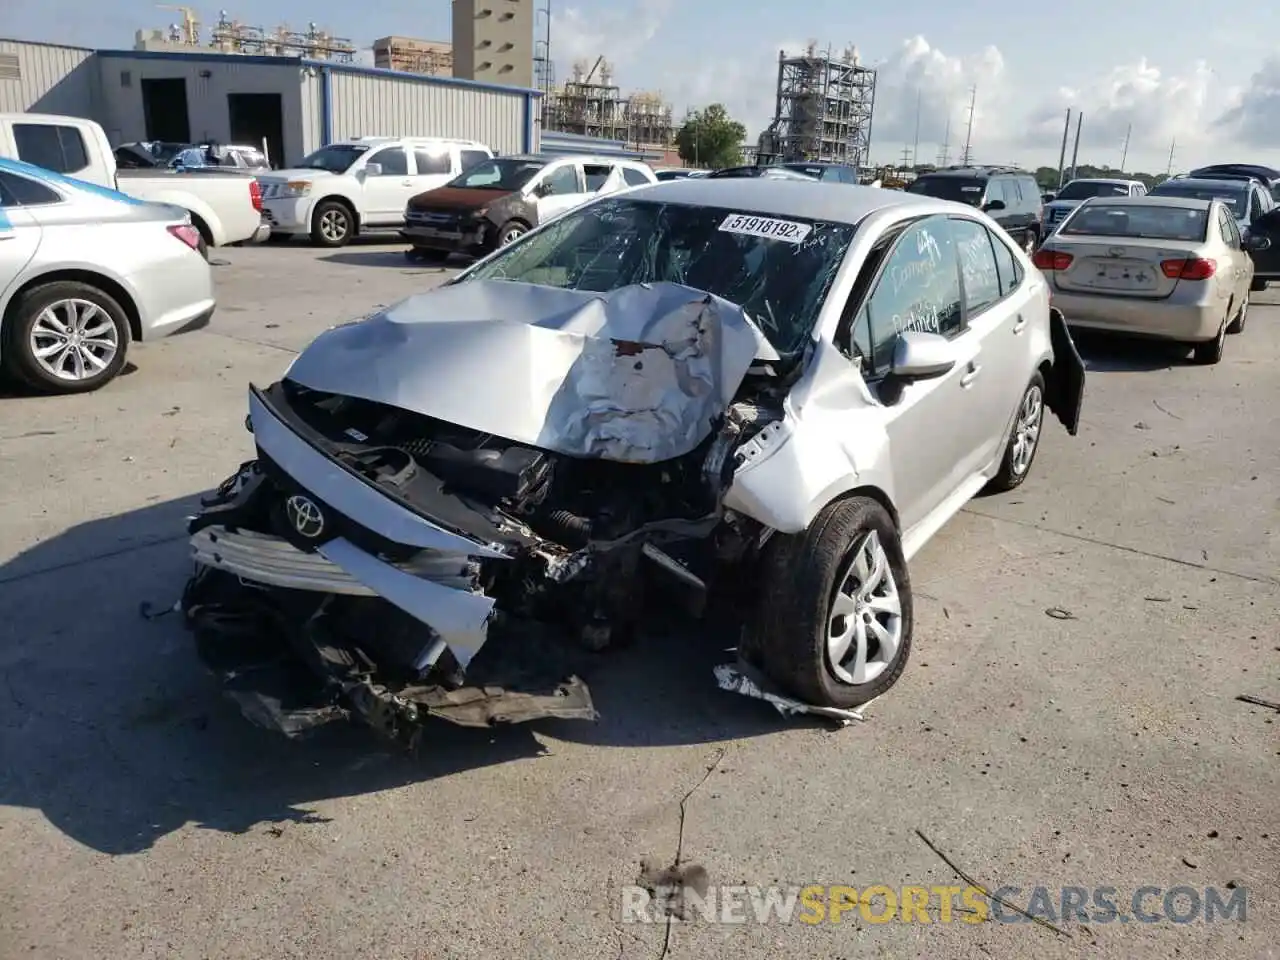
<point x="511" y="235"/>
<point x="1026" y="432"/>
<point x="74" y="339"/>
<point x="865" y="628"/>
<point x="333" y="224"/>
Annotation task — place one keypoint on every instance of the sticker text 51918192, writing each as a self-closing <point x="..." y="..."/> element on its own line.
<point x="766" y="227"/>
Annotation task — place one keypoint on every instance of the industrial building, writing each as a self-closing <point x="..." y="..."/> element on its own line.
<point x="432" y="57"/>
<point x="823" y="109"/>
<point x="590" y="104"/>
<point x="296" y="104"/>
<point x="493" y="41"/>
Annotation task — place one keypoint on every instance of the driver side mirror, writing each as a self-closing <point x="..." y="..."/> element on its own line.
<point x="1255" y="243"/>
<point x="1048" y="197"/>
<point x="993" y="206"/>
<point x="373" y="169"/>
<point x="921" y="356"/>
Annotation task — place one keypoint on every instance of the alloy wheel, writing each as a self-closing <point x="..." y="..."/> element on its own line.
<point x="1026" y="431"/>
<point x="864" y="631"/>
<point x="333" y="225"/>
<point x="74" y="339"/>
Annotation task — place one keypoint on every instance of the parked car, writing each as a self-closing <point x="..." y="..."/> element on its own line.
<point x="675" y="173"/>
<point x="769" y="173"/>
<point x="1165" y="266"/>
<point x="830" y="172"/>
<point x="1249" y="201"/>
<point x="769" y="394"/>
<point x="225" y="207"/>
<point x="1268" y="176"/>
<point x="150" y="155"/>
<point x="501" y="199"/>
<point x="1077" y="191"/>
<point x="1011" y="197"/>
<point x="83" y="272"/>
<point x="361" y="185"/>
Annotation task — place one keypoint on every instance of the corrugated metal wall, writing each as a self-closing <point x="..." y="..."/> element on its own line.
<point x="50" y="79"/>
<point x="207" y="107"/>
<point x="311" y="98"/>
<point x="365" y="104"/>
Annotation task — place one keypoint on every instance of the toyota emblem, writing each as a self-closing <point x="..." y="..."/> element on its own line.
<point x="305" y="516"/>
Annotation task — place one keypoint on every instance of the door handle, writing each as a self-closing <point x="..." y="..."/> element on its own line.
<point x="406" y="183"/>
<point x="1020" y="324"/>
<point x="967" y="380"/>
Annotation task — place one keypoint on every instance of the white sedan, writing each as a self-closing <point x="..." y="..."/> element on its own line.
<point x="84" y="271"/>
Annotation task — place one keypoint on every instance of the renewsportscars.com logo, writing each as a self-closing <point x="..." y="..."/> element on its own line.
<point x="816" y="904"/>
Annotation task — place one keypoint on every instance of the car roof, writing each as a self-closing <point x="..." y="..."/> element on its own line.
<point x="1151" y="200"/>
<point x="810" y="199"/>
<point x="1205" y="183"/>
<point x="976" y="172"/>
<point x="1116" y="180"/>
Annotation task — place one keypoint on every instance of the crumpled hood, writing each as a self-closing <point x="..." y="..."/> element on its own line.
<point x="637" y="374"/>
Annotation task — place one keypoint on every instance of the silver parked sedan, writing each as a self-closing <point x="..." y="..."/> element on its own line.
<point x="762" y="394"/>
<point x="83" y="272"/>
<point x="1158" y="266"/>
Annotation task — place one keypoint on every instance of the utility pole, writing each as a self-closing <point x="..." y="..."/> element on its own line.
<point x="1125" y="155"/>
<point x="1062" y="154"/>
<point x="968" y="137"/>
<point x="915" y="149"/>
<point x="1075" y="152"/>
<point x="1168" y="171"/>
<point x="906" y="157"/>
<point x="944" y="154"/>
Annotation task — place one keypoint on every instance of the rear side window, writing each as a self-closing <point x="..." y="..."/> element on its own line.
<point x="52" y="146"/>
<point x="1008" y="267"/>
<point x="1012" y="192"/>
<point x="634" y="178"/>
<point x="19" y="191"/>
<point x="978" y="268"/>
<point x="959" y="189"/>
<point x="432" y="161"/>
<point x="472" y="157"/>
<point x="596" y="175"/>
<point x="995" y="191"/>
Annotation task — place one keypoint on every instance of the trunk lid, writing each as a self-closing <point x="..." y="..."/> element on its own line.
<point x="1118" y="266"/>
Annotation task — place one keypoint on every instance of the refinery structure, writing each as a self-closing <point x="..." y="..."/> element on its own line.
<point x="823" y="109"/>
<point x="591" y="104"/>
<point x="233" y="36"/>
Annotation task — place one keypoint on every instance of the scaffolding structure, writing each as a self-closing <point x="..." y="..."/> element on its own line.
<point x="232" y="36"/>
<point x="591" y="104"/>
<point x="823" y="110"/>
<point x="431" y="57"/>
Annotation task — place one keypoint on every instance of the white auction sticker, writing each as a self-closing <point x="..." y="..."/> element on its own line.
<point x="766" y="227"/>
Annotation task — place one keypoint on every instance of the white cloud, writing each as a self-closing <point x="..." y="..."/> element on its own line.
<point x="1253" y="113"/>
<point x="618" y="34"/>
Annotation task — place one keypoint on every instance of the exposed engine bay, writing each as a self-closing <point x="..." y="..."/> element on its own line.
<point x="380" y="563"/>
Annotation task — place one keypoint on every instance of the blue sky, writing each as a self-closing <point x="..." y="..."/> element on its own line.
<point x="1210" y="84"/>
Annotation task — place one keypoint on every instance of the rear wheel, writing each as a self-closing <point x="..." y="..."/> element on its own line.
<point x="1024" y="439"/>
<point x="65" y="337"/>
<point x="1210" y="352"/>
<point x="1241" y="318"/>
<point x="834" y="616"/>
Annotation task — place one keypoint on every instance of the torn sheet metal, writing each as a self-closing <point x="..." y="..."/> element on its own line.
<point x="637" y="374"/>
<point x="741" y="678"/>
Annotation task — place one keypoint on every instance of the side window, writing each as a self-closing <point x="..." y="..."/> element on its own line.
<point x="561" y="181"/>
<point x="595" y="174"/>
<point x="1009" y="269"/>
<point x="1230" y="232"/>
<point x="393" y="160"/>
<point x="431" y="161"/>
<point x="995" y="191"/>
<point x="918" y="290"/>
<point x="978" y="268"/>
<point x="633" y="177"/>
<point x="472" y="157"/>
<point x="57" y="148"/>
<point x="1255" y="205"/>
<point x="1012" y="192"/>
<point x="19" y="191"/>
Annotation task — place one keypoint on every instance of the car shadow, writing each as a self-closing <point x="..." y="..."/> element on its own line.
<point x="389" y="258"/>
<point x="12" y="389"/>
<point x="111" y="728"/>
<point x="1115" y="353"/>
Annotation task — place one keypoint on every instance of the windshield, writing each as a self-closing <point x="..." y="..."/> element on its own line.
<point x="504" y="174"/>
<point x="1234" y="197"/>
<point x="777" y="269"/>
<point x="959" y="189"/>
<point x="1137" y="221"/>
<point x="1083" y="190"/>
<point x="336" y="158"/>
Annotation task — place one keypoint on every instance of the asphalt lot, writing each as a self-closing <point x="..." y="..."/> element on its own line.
<point x="141" y="817"/>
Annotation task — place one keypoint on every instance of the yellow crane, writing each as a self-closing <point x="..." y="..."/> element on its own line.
<point x="190" y="23"/>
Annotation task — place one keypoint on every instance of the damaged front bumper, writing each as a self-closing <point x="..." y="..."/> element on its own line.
<point x="301" y="562"/>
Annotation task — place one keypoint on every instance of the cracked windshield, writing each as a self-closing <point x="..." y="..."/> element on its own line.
<point x="630" y="480"/>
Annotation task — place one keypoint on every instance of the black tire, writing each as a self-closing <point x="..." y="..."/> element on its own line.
<point x="1256" y="285"/>
<point x="1241" y="318"/>
<point x="203" y="229"/>
<point x="332" y="224"/>
<point x="1210" y="352"/>
<point x="19" y="360"/>
<point x="279" y="238"/>
<point x="787" y="636"/>
<point x="510" y="231"/>
<point x="1013" y="469"/>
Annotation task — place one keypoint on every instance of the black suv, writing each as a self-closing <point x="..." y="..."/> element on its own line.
<point x="1011" y="197"/>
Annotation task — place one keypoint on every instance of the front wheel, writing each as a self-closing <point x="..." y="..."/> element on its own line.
<point x="65" y="337"/>
<point x="332" y="225"/>
<point x="1024" y="439"/>
<point x="510" y="231"/>
<point x="833" y="622"/>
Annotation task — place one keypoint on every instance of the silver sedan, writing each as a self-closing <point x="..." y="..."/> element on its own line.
<point x="83" y="272"/>
<point x="1168" y="267"/>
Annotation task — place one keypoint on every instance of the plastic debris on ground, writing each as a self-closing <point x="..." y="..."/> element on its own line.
<point x="742" y="678"/>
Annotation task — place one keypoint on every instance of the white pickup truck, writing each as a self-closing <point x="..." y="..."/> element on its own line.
<point x="225" y="207"/>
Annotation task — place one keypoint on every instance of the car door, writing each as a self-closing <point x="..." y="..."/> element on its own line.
<point x="931" y="424"/>
<point x="997" y="311"/>
<point x="20" y="232"/>
<point x="1266" y="263"/>
<point x="387" y="194"/>
<point x="559" y="188"/>
<point x="1241" y="266"/>
<point x="434" y="166"/>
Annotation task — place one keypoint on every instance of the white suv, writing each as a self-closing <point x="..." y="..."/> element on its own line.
<point x="359" y="185"/>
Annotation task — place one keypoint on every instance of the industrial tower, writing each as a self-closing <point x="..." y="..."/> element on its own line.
<point x="823" y="111"/>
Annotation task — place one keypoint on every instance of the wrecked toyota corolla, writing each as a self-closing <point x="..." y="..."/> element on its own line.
<point x="763" y="395"/>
